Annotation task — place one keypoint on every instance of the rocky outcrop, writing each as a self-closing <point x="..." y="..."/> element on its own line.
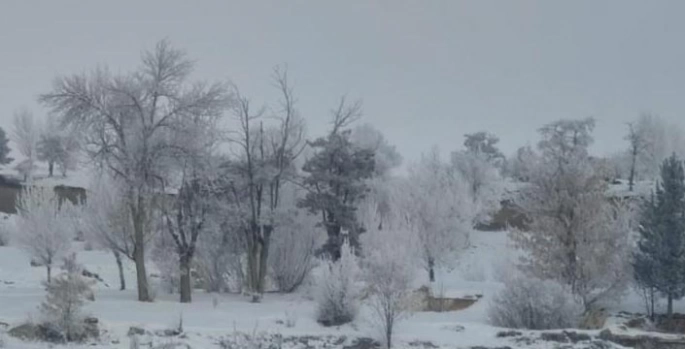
<point x="643" y="341"/>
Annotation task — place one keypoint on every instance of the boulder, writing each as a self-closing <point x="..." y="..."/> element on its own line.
<point x="642" y="341"/>
<point x="594" y="319"/>
<point x="135" y="331"/>
<point x="504" y="334"/>
<point x="28" y="332"/>
<point x="91" y="327"/>
<point x="363" y="343"/>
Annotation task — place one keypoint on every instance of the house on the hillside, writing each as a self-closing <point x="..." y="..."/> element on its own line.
<point x="11" y="189"/>
<point x="510" y="217"/>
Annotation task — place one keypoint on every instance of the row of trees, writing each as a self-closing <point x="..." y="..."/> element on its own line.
<point x="586" y="242"/>
<point x="176" y="175"/>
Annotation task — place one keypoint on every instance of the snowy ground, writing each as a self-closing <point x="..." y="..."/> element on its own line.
<point x="476" y="273"/>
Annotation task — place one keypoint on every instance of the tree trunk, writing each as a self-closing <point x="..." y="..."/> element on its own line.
<point x="631" y="179"/>
<point x="120" y="265"/>
<point x="431" y="270"/>
<point x="139" y="256"/>
<point x="334" y="243"/>
<point x="388" y="334"/>
<point x="670" y="306"/>
<point x="651" y="303"/>
<point x="185" y="286"/>
<point x="264" y="258"/>
<point x="253" y="267"/>
<point x="51" y="166"/>
<point x="49" y="268"/>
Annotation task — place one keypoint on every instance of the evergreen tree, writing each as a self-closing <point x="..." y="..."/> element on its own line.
<point x="335" y="181"/>
<point x="4" y="148"/>
<point x="644" y="266"/>
<point x="660" y="260"/>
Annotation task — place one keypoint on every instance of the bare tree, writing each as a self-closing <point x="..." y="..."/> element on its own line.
<point x="637" y="146"/>
<point x="44" y="225"/>
<point x="127" y="122"/>
<point x="26" y="135"/>
<point x="186" y="218"/>
<point x="266" y="161"/>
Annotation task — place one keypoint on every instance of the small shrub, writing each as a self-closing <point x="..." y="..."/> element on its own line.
<point x="66" y="295"/>
<point x="254" y="340"/>
<point x="290" y="319"/>
<point x="533" y="304"/>
<point x="291" y="258"/>
<point x="337" y="291"/>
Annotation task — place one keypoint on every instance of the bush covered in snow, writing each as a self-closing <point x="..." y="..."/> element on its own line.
<point x="389" y="273"/>
<point x="337" y="291"/>
<point x="533" y="304"/>
<point x="66" y="296"/>
<point x="291" y="258"/>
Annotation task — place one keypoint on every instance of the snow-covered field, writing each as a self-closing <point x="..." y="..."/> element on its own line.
<point x="204" y="324"/>
<point x="21" y="292"/>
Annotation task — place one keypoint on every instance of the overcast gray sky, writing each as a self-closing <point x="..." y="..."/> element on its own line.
<point x="427" y="71"/>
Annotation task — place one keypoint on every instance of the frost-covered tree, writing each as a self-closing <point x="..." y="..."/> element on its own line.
<point x="69" y="156"/>
<point x="337" y="289"/>
<point x="656" y="140"/>
<point x="293" y="249"/>
<point x="128" y="121"/>
<point x="533" y="304"/>
<point x="388" y="268"/>
<point x="659" y="261"/>
<point x="187" y="213"/>
<point x="4" y="148"/>
<point x="485" y="185"/>
<point x="50" y="150"/>
<point x="26" y="134"/>
<point x="266" y="161"/>
<point x="186" y="217"/>
<point x="575" y="234"/>
<point x="436" y="204"/>
<point x="65" y="298"/>
<point x="220" y="250"/>
<point x="57" y="146"/>
<point x="386" y="156"/>
<point x="44" y="226"/>
<point x="484" y="143"/>
<point x="521" y="165"/>
<point x="335" y="179"/>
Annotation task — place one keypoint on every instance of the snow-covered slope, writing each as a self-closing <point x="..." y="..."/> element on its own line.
<point x="475" y="273"/>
